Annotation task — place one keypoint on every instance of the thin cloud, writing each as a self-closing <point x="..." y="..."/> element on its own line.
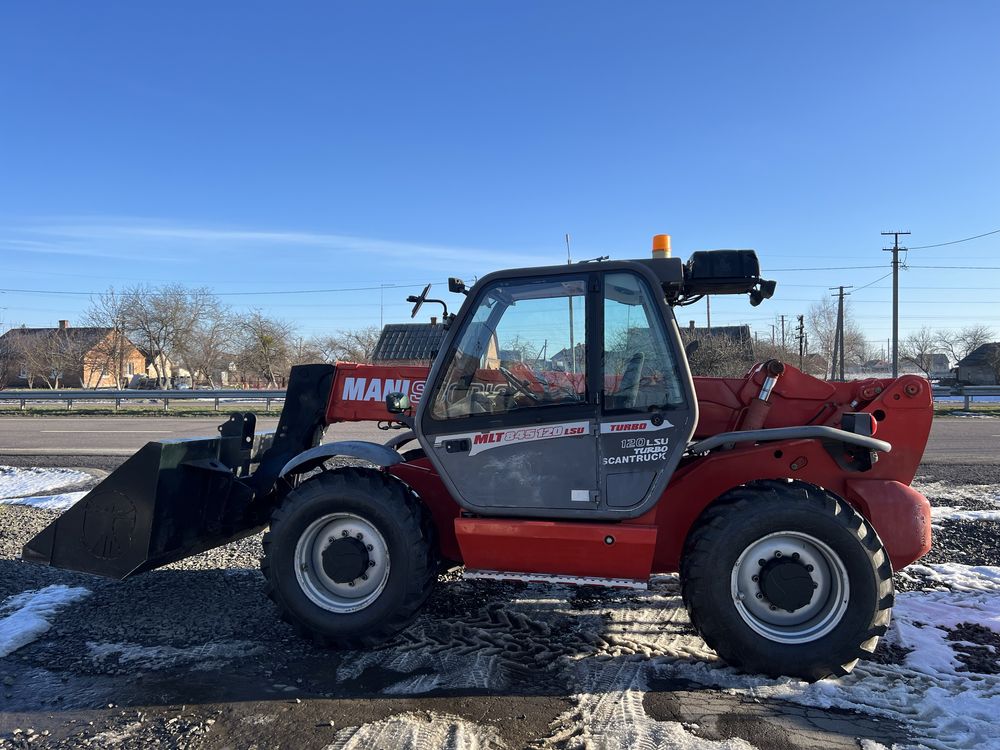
<point x="69" y="237"/>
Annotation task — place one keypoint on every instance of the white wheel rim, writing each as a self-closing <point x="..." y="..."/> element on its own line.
<point x="322" y="590"/>
<point x="823" y="612"/>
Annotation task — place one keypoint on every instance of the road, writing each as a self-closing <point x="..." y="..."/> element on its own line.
<point x="122" y="436"/>
<point x="954" y="440"/>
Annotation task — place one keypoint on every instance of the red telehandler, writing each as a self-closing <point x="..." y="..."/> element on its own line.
<point x="558" y="436"/>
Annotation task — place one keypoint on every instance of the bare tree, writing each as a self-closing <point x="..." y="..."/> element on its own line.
<point x="960" y="344"/>
<point x="718" y="356"/>
<point x="349" y="346"/>
<point x="307" y="351"/>
<point x="109" y="355"/>
<point x="265" y="346"/>
<point x="209" y="347"/>
<point x="919" y="347"/>
<point x="160" y="321"/>
<point x="822" y="322"/>
<point x="48" y="355"/>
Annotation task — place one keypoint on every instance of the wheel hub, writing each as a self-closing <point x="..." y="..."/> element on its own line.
<point x="346" y="559"/>
<point x="342" y="562"/>
<point x="790" y="587"/>
<point x="786" y="583"/>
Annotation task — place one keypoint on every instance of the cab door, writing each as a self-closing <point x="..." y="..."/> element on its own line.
<point x="510" y="417"/>
<point x="648" y="406"/>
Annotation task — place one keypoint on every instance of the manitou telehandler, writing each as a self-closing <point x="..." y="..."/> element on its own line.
<point x="557" y="437"/>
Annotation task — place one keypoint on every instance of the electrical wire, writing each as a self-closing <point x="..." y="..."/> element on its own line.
<point x="244" y="294"/>
<point x="954" y="242"/>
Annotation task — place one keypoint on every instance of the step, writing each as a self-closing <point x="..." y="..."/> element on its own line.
<point x="502" y="575"/>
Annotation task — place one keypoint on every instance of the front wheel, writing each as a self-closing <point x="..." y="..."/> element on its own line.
<point x="785" y="578"/>
<point x="349" y="558"/>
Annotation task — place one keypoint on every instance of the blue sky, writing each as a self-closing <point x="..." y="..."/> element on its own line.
<point x="251" y="147"/>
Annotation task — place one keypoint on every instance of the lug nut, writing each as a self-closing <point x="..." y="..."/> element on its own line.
<point x="345" y="532"/>
<point x="755" y="579"/>
<point x="815" y="585"/>
<point x="360" y="535"/>
<point x="364" y="576"/>
<point x="777" y="553"/>
<point x="350" y="583"/>
<point x="795" y="555"/>
<point x="330" y="540"/>
<point x="371" y="563"/>
<point x="759" y="595"/>
<point x="762" y="562"/>
<point x="371" y="547"/>
<point x="809" y="568"/>
<point x="773" y="608"/>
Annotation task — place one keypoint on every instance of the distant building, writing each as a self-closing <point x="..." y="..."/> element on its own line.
<point x="981" y="367"/>
<point x="68" y="357"/>
<point x="940" y="366"/>
<point x="408" y="344"/>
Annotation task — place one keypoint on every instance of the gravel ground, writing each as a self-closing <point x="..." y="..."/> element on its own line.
<point x="195" y="656"/>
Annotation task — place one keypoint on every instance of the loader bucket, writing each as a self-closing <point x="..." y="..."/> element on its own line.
<point x="176" y="498"/>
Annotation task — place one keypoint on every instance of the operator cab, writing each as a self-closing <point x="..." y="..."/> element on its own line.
<point x="564" y="391"/>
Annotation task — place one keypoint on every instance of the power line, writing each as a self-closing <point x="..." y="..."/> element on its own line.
<point x="243" y="294"/>
<point x="825" y="268"/>
<point x="955" y="242"/>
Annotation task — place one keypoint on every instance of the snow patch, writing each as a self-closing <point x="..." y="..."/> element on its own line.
<point x="202" y="657"/>
<point x="943" y="706"/>
<point x="415" y="731"/>
<point x="46" y="502"/>
<point x="959" y="494"/>
<point x="29" y="614"/>
<point x="22" y="482"/>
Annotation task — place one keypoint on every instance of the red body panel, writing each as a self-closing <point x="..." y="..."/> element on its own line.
<point x="359" y="391"/>
<point x="900" y="515"/>
<point x="577" y="548"/>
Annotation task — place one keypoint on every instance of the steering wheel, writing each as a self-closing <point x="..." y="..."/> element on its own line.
<point x="518" y="385"/>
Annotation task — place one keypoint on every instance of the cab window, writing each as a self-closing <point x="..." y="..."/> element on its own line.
<point x="524" y="347"/>
<point x="640" y="369"/>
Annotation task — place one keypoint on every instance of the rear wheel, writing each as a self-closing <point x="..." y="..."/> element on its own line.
<point x="349" y="558"/>
<point x="785" y="578"/>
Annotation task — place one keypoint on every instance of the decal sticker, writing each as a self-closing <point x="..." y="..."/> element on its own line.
<point x="642" y="450"/>
<point x="635" y="425"/>
<point x="376" y="389"/>
<point x="484" y="441"/>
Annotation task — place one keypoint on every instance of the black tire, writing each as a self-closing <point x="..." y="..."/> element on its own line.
<point x="712" y="583"/>
<point x="408" y="535"/>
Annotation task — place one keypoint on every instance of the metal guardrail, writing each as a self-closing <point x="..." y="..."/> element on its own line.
<point x="966" y="392"/>
<point x="23" y="397"/>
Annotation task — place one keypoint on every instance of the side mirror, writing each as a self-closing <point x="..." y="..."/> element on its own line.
<point x="456" y="286"/>
<point x="397" y="403"/>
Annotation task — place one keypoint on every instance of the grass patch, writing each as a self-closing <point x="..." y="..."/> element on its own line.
<point x="139" y="409"/>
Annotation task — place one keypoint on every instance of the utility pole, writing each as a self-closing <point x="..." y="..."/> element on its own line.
<point x="572" y="342"/>
<point x="782" y="332"/>
<point x="708" y="311"/>
<point x="772" y="334"/>
<point x="802" y="339"/>
<point x="895" y="297"/>
<point x="838" y="345"/>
